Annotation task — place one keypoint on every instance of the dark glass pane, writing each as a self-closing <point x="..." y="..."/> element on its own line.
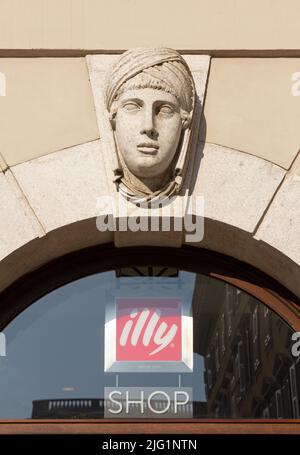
<point x="148" y="342"/>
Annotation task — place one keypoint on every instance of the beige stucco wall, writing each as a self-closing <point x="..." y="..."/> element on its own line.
<point x="121" y="24"/>
<point x="250" y="106"/>
<point x="48" y="106"/>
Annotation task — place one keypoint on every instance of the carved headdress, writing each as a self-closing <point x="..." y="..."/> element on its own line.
<point x="158" y="68"/>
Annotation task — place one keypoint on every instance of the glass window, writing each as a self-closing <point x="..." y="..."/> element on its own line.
<point x="147" y="342"/>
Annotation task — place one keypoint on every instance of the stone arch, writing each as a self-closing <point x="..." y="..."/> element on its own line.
<point x="49" y="209"/>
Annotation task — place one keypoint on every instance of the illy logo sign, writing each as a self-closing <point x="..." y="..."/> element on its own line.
<point x="149" y="329"/>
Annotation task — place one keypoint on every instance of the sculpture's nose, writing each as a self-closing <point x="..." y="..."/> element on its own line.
<point x="148" y="126"/>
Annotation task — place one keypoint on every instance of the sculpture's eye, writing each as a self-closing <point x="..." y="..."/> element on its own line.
<point x="166" y="109"/>
<point x="131" y="106"/>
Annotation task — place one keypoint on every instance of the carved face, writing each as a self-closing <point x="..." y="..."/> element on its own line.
<point x="147" y="128"/>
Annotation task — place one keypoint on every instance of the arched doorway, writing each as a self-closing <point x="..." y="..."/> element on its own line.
<point x="242" y="322"/>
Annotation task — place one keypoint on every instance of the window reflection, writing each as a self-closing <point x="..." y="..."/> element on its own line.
<point x="255" y="375"/>
<point x="242" y="366"/>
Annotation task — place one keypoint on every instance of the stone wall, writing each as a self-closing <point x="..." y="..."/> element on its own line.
<point x="52" y="148"/>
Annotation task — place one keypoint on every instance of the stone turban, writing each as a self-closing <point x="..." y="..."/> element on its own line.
<point x="172" y="73"/>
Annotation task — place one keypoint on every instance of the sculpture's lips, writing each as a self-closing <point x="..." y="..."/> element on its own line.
<point x="148" y="148"/>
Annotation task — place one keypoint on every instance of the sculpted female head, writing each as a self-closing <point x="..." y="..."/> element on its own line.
<point x="150" y="100"/>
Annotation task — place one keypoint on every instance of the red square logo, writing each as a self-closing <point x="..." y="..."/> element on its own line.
<point x="149" y="329"/>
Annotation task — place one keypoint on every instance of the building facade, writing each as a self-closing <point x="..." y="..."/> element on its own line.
<point x="241" y="277"/>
